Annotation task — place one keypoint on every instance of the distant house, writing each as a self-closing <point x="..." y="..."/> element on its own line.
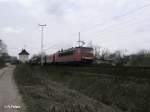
<point x="23" y="56"/>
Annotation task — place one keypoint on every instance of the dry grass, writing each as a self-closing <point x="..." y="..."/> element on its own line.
<point x="126" y="93"/>
<point x="41" y="94"/>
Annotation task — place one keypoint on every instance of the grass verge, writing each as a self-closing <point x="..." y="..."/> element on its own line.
<point x="128" y="94"/>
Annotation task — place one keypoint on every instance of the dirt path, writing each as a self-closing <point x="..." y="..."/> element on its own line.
<point x="10" y="100"/>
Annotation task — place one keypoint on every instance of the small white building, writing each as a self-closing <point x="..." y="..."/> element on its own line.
<point x="23" y="56"/>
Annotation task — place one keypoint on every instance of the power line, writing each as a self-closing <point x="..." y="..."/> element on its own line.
<point x="118" y="17"/>
<point x="113" y="19"/>
<point x="132" y="11"/>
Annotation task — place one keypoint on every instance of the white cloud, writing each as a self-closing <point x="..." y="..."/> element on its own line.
<point x="110" y="23"/>
<point x="10" y="30"/>
<point x="27" y="3"/>
<point x="7" y="0"/>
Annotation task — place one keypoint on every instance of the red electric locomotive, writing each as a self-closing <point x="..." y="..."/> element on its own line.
<point x="72" y="55"/>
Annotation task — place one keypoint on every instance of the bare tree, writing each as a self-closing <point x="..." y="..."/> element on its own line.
<point x="119" y="57"/>
<point x="3" y="48"/>
<point x="101" y="53"/>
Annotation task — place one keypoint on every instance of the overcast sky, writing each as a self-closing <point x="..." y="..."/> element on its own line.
<point x="113" y="24"/>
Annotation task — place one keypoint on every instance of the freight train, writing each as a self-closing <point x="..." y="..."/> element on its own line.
<point x="76" y="55"/>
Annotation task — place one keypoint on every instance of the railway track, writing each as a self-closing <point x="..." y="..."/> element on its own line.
<point x="118" y="71"/>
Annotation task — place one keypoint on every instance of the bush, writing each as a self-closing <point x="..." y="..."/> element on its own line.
<point x="2" y="62"/>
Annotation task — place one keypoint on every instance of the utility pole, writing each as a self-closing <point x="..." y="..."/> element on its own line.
<point x="79" y="39"/>
<point x="42" y="36"/>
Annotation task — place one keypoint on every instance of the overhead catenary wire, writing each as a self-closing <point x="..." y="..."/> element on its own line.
<point x="116" y="17"/>
<point x="111" y="20"/>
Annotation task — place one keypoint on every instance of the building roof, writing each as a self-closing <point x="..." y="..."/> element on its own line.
<point x="23" y="52"/>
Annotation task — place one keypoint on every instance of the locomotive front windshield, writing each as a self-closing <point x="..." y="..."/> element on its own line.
<point x="66" y="53"/>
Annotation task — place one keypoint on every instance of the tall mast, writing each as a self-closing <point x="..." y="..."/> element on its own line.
<point x="42" y="36"/>
<point x="79" y="40"/>
<point x="80" y="43"/>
